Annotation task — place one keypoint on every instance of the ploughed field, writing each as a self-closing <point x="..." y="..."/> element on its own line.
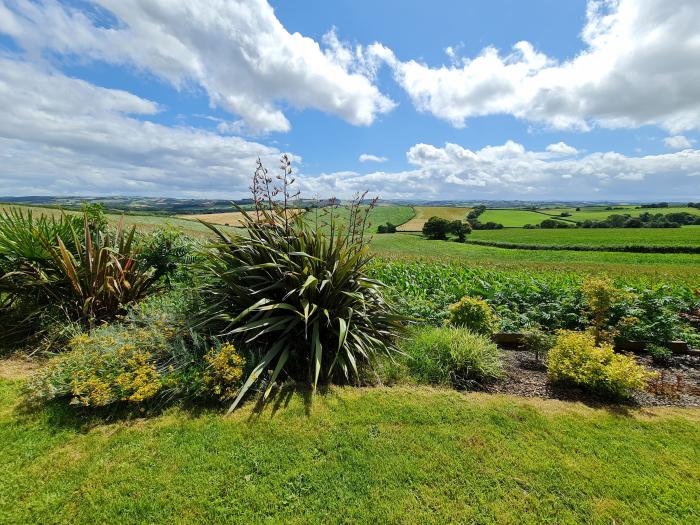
<point x="423" y="213"/>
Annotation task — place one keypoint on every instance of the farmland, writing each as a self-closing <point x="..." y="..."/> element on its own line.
<point x="600" y="213"/>
<point x="423" y="213"/>
<point x="686" y="236"/>
<point x="512" y="218"/>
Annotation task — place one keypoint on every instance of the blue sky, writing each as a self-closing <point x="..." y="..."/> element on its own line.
<point x="431" y="100"/>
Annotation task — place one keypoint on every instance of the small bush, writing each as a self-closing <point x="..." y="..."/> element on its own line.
<point x="660" y="354"/>
<point x="474" y="314"/>
<point x="451" y="356"/>
<point x="224" y="372"/>
<point x="575" y="358"/>
<point x="538" y="342"/>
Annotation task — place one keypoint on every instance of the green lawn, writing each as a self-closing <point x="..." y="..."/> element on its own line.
<point x="354" y="456"/>
<point x="407" y="245"/>
<point x="685" y="236"/>
<point x="512" y="218"/>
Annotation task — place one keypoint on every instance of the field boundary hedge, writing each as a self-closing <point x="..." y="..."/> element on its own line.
<point x="586" y="248"/>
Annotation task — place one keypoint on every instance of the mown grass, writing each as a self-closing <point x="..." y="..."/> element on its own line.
<point x="685" y="236"/>
<point x="414" y="246"/>
<point x="379" y="455"/>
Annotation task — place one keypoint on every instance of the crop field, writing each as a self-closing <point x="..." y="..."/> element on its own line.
<point x="685" y="236"/>
<point x="144" y="223"/>
<point x="231" y="218"/>
<point x="414" y="246"/>
<point x="602" y="213"/>
<point x="423" y="213"/>
<point x="512" y="218"/>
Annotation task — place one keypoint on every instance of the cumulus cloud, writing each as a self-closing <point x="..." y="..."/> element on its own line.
<point x="510" y="171"/>
<point x="639" y="66"/>
<point x="678" y="142"/>
<point x="237" y="51"/>
<point x="366" y="157"/>
<point x="60" y="135"/>
<point x="562" y="148"/>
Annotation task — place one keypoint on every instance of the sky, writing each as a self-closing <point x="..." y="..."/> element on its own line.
<point x="439" y="100"/>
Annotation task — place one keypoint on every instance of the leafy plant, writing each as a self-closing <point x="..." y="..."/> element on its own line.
<point x="436" y="228"/>
<point x="660" y="354"/>
<point x="451" y="356"/>
<point x="295" y="291"/>
<point x="474" y="314"/>
<point x="600" y="295"/>
<point x="576" y="358"/>
<point x="538" y="341"/>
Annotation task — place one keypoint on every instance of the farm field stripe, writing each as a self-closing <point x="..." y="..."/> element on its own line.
<point x="583" y="248"/>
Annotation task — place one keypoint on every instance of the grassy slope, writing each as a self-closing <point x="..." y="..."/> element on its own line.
<point x="356" y="455"/>
<point x="686" y="236"/>
<point x="423" y="213"/>
<point x="142" y="222"/>
<point x="409" y="245"/>
<point x="599" y="214"/>
<point x="512" y="218"/>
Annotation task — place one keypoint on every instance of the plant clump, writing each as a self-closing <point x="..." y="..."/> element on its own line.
<point x="575" y="358"/>
<point x="473" y="314"/>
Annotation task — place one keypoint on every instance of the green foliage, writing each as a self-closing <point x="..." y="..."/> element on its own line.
<point x="297" y="294"/>
<point x="473" y="314"/>
<point x="660" y="354"/>
<point x="451" y="356"/>
<point x="600" y="295"/>
<point x="460" y="230"/>
<point x="169" y="252"/>
<point x="436" y="228"/>
<point x="538" y="341"/>
<point x="386" y="228"/>
<point x="577" y="359"/>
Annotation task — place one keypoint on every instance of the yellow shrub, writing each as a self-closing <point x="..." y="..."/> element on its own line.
<point x="575" y="357"/>
<point x="224" y="372"/>
<point x="474" y="314"/>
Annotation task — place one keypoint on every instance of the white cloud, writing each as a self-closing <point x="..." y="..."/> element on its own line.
<point x="678" y="142"/>
<point x="237" y="51"/>
<point x="561" y="148"/>
<point x="639" y="67"/>
<point x="366" y="157"/>
<point x="510" y="171"/>
<point x="60" y="135"/>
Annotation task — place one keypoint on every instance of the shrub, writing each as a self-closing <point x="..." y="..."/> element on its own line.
<point x="474" y="314"/>
<point x="576" y="358"/>
<point x="224" y="372"/>
<point x="295" y="293"/>
<point x="436" y="228"/>
<point x="460" y="229"/>
<point x="538" y="341"/>
<point x="451" y="356"/>
<point x="169" y="252"/>
<point x="660" y="354"/>
<point x="600" y="295"/>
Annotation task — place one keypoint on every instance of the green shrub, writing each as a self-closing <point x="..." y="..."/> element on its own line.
<point x="538" y="342"/>
<point x="451" y="356"/>
<point x="151" y="357"/>
<point x="575" y="358"/>
<point x="660" y="354"/>
<point x="296" y="293"/>
<point x="474" y="314"/>
<point x="600" y="295"/>
<point x="169" y="252"/>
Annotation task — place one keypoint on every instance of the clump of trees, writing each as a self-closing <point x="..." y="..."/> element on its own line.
<point x="438" y="228"/>
<point x="386" y="228"/>
<point x="645" y="220"/>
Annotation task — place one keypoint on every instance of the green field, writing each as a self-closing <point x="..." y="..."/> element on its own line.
<point x="407" y="245"/>
<point x="685" y="236"/>
<point x="402" y="455"/>
<point x="600" y="213"/>
<point x="512" y="218"/>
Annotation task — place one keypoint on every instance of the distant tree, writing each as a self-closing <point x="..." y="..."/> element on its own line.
<point x="633" y="222"/>
<point x="390" y="228"/>
<point x="460" y="229"/>
<point x="578" y="209"/>
<point x="617" y="220"/>
<point x="382" y="228"/>
<point x="436" y="228"/>
<point x="565" y="214"/>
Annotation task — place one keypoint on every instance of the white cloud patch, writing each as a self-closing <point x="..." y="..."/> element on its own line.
<point x="639" y="67"/>
<point x="562" y="148"/>
<point x="237" y="51"/>
<point x="366" y="157"/>
<point x="678" y="142"/>
<point x="60" y="135"/>
<point x="510" y="171"/>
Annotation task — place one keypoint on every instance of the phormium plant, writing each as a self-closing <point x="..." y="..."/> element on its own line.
<point x="294" y="289"/>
